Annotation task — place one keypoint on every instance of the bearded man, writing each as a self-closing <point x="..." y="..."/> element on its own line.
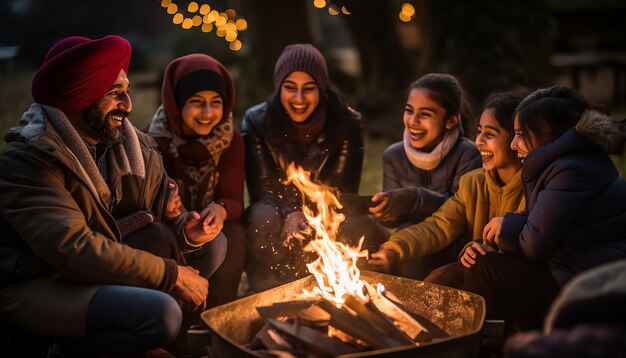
<point x="71" y="176"/>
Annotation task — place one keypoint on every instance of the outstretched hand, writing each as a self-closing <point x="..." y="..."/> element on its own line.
<point x="383" y="200"/>
<point x="383" y="260"/>
<point x="296" y="226"/>
<point x="203" y="227"/>
<point x="394" y="203"/>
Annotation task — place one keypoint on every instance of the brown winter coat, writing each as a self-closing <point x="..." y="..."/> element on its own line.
<point x="58" y="239"/>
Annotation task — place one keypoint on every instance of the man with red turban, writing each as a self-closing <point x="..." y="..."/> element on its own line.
<point x="71" y="176"/>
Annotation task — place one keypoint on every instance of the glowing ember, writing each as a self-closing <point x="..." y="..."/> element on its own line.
<point x="335" y="269"/>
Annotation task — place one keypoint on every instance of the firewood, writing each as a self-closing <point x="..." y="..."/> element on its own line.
<point x="284" y="309"/>
<point x="314" y="340"/>
<point x="430" y="331"/>
<point x="357" y="327"/>
<point x="402" y="319"/>
<point x="369" y="312"/>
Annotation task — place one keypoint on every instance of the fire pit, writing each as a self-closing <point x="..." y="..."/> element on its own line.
<point x="460" y="314"/>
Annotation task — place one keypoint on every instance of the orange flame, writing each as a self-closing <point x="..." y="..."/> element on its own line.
<point x="335" y="269"/>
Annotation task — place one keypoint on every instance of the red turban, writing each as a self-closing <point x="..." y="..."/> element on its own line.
<point x="78" y="71"/>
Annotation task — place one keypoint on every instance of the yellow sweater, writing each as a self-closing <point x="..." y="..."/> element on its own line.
<point x="463" y="216"/>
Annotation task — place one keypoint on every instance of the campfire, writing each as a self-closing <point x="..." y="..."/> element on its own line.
<point x="337" y="311"/>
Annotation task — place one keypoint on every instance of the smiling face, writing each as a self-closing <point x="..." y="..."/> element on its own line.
<point x="201" y="113"/>
<point x="299" y="95"/>
<point x="520" y="141"/>
<point x="103" y="120"/>
<point x="492" y="141"/>
<point x="425" y="120"/>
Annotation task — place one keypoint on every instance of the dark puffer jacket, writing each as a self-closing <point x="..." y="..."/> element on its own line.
<point x="335" y="157"/>
<point x="576" y="201"/>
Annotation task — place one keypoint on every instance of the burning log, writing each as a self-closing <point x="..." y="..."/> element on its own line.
<point x="342" y="309"/>
<point x="358" y="327"/>
<point x="369" y="313"/>
<point x="314" y="340"/>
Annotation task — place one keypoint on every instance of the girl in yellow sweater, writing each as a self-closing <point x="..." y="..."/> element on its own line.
<point x="483" y="194"/>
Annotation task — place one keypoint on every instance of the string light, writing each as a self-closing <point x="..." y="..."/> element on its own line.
<point x="227" y="24"/>
<point x="407" y="12"/>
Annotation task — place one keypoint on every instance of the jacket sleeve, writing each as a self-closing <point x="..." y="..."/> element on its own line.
<point x="390" y="173"/>
<point x="558" y="204"/>
<point x="346" y="174"/>
<point x="434" y="233"/>
<point x="37" y="204"/>
<point x="230" y="187"/>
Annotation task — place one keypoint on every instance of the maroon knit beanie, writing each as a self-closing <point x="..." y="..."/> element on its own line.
<point x="78" y="71"/>
<point x="301" y="57"/>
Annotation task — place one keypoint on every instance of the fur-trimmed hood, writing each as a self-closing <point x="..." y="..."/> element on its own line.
<point x="603" y="131"/>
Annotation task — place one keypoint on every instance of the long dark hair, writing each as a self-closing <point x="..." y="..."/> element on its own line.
<point x="547" y="113"/>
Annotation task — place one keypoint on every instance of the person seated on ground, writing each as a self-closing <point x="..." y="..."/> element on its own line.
<point x="587" y="319"/>
<point x="483" y="194"/>
<point x="72" y="168"/>
<point x="576" y="208"/>
<point x="422" y="171"/>
<point x="204" y="153"/>
<point x="305" y="122"/>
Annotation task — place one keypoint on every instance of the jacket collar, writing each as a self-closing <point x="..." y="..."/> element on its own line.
<point x="48" y="129"/>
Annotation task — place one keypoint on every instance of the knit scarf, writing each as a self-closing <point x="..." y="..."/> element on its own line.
<point x="430" y="161"/>
<point x="125" y="158"/>
<point x="193" y="162"/>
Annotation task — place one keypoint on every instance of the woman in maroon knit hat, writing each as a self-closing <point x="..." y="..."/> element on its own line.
<point x="305" y="122"/>
<point x="204" y="154"/>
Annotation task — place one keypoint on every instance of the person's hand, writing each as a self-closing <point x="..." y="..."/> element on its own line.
<point x="174" y="203"/>
<point x="383" y="200"/>
<point x="471" y="252"/>
<point x="296" y="226"/>
<point x="203" y="227"/>
<point x="383" y="260"/>
<point x="191" y="289"/>
<point x="394" y="203"/>
<point x="219" y="215"/>
<point x="491" y="232"/>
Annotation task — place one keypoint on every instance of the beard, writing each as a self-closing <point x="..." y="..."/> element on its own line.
<point x="99" y="124"/>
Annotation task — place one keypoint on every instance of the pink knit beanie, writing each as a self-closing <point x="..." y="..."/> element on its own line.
<point x="301" y="57"/>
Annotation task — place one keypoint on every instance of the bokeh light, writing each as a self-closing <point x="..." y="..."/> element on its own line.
<point x="241" y="24"/>
<point x="407" y="12"/>
<point x="205" y="9"/>
<point x="187" y="23"/>
<point x="235" y="45"/>
<point x="227" y="24"/>
<point x="192" y="7"/>
<point x="320" y="4"/>
<point x="172" y="9"/>
<point x="178" y="18"/>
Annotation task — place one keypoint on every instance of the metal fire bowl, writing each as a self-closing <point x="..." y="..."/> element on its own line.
<point x="459" y="313"/>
